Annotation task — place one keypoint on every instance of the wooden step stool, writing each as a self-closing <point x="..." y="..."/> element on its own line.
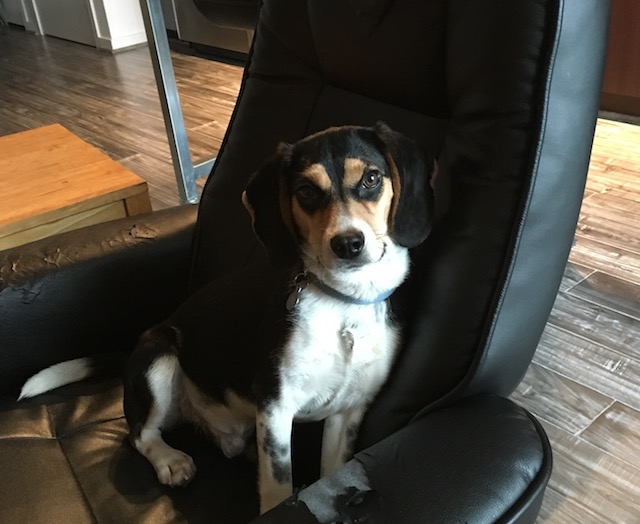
<point x="52" y="181"/>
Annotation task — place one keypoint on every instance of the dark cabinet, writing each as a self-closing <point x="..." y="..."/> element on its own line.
<point x="621" y="88"/>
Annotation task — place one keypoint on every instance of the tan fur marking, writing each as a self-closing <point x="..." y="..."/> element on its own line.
<point x="353" y="171"/>
<point x="376" y="214"/>
<point x="318" y="226"/>
<point x="434" y="174"/>
<point x="317" y="174"/>
<point x="397" y="187"/>
<point x="229" y="422"/>
<point x="247" y="205"/>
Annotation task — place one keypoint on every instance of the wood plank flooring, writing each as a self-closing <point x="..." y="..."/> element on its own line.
<point x="584" y="383"/>
<point x="111" y="101"/>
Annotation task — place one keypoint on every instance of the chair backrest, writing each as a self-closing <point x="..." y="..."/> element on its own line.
<point x="505" y="93"/>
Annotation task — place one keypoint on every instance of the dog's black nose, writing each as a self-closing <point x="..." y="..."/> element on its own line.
<point x="348" y="245"/>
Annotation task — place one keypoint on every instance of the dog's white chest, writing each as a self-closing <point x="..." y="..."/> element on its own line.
<point x="338" y="356"/>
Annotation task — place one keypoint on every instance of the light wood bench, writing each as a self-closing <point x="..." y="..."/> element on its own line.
<point x="52" y="181"/>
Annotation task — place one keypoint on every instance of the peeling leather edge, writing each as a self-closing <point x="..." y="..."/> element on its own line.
<point x="345" y="496"/>
<point x="23" y="267"/>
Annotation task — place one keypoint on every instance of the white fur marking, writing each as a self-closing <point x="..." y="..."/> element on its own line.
<point x="274" y="460"/>
<point x="326" y="371"/>
<point x="161" y="377"/>
<point x="56" y="376"/>
<point x="173" y="467"/>
<point x="338" y="437"/>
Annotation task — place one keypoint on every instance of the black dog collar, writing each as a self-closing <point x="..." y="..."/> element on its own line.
<point x="305" y="278"/>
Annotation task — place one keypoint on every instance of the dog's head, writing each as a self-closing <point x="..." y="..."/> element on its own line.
<point x="343" y="198"/>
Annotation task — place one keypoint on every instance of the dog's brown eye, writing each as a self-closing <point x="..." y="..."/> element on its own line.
<point x="372" y="179"/>
<point x="306" y="193"/>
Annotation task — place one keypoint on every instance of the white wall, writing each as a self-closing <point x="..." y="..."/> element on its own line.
<point x="118" y="23"/>
<point x="13" y="10"/>
<point x="68" y="19"/>
<point x="20" y="12"/>
<point x="106" y="24"/>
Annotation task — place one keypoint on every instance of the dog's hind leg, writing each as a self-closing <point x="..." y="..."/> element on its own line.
<point x="152" y="404"/>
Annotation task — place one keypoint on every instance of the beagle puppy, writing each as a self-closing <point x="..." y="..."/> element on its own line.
<point x="309" y="338"/>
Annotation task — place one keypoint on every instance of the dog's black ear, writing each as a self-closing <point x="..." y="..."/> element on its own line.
<point x="412" y="170"/>
<point x="267" y="200"/>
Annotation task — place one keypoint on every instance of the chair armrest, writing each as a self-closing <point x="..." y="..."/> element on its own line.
<point x="481" y="460"/>
<point x="91" y="290"/>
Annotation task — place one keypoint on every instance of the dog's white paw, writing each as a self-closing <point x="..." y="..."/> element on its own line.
<point x="175" y="468"/>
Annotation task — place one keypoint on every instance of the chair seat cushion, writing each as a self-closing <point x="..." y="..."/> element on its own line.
<point x="67" y="458"/>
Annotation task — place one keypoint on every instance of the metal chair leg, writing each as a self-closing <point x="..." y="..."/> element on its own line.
<point x="186" y="172"/>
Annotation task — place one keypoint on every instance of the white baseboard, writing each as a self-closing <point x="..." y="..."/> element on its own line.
<point x="122" y="42"/>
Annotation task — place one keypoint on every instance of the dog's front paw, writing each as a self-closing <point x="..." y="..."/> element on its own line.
<point x="175" y="468"/>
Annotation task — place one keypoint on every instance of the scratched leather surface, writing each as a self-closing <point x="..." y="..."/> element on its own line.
<point x="90" y="290"/>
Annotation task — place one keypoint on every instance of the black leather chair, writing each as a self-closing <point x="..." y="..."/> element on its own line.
<point x="505" y="92"/>
<point x="240" y="14"/>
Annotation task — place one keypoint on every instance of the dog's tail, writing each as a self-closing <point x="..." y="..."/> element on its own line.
<point x="71" y="371"/>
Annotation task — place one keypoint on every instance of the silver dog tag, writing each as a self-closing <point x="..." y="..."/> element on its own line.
<point x="300" y="282"/>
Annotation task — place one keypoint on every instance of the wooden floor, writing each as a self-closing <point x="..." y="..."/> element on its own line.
<point x="111" y="101"/>
<point x="584" y="383"/>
